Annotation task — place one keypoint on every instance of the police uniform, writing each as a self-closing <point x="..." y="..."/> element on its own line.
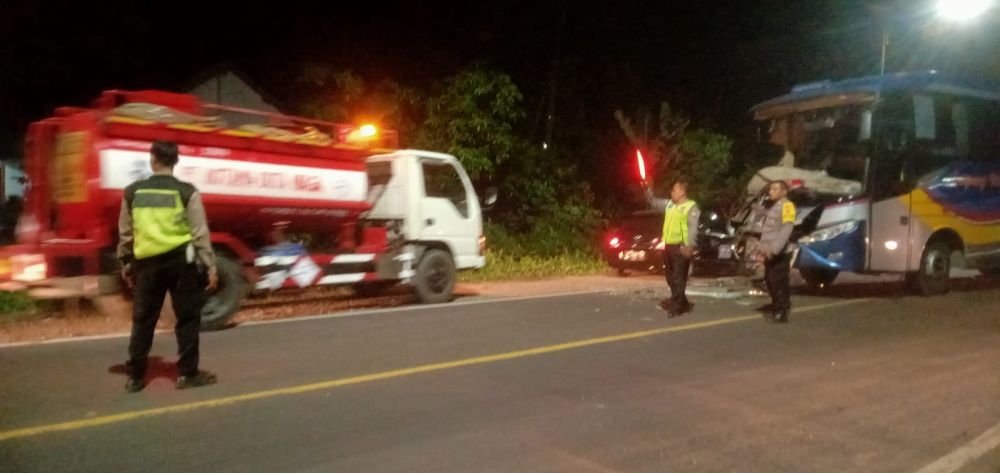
<point x="777" y="225"/>
<point x="680" y="228"/>
<point x="164" y="236"/>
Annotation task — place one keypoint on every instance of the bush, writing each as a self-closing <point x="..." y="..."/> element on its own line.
<point x="548" y="249"/>
<point x="501" y="265"/>
<point x="15" y="304"/>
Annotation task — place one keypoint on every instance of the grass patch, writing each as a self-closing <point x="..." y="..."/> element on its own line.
<point x="503" y="265"/>
<point x="17" y="306"/>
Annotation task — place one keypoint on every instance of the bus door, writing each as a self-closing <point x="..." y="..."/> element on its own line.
<point x="889" y="242"/>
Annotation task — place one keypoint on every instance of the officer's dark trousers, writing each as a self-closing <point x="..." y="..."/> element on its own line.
<point x="776" y="277"/>
<point x="154" y="278"/>
<point x="676" y="267"/>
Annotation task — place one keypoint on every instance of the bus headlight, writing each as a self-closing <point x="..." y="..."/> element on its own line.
<point x="829" y="233"/>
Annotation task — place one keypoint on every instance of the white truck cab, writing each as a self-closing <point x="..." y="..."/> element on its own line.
<point x="427" y="200"/>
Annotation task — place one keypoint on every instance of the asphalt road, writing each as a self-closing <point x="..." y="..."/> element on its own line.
<point x="865" y="379"/>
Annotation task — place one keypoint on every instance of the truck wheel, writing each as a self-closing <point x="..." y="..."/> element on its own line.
<point x="935" y="269"/>
<point x="434" y="280"/>
<point x="225" y="301"/>
<point x="818" y="278"/>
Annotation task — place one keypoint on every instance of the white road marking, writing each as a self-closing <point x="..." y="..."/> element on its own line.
<point x="966" y="454"/>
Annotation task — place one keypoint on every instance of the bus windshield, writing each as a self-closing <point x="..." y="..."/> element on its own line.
<point x="829" y="140"/>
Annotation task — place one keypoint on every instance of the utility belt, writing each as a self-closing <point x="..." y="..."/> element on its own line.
<point x="181" y="252"/>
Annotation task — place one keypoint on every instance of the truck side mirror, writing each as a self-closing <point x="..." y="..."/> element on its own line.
<point x="489" y="197"/>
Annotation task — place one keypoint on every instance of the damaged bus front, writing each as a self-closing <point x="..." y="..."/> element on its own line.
<point x="896" y="173"/>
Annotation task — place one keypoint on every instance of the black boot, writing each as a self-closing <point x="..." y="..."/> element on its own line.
<point x="664" y="305"/>
<point x="203" y="378"/>
<point x="134" y="385"/>
<point x="688" y="307"/>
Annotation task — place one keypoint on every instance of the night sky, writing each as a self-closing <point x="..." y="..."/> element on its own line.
<point x="710" y="59"/>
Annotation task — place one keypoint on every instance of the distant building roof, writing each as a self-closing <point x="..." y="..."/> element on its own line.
<point x="226" y="85"/>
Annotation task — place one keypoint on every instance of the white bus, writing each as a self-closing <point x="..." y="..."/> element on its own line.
<point x="892" y="174"/>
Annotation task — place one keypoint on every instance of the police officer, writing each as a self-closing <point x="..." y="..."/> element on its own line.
<point x="680" y="231"/>
<point x="164" y="246"/>
<point x="778" y="222"/>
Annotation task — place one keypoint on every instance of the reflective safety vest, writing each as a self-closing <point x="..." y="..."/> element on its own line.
<point x="159" y="215"/>
<point x="675" y="223"/>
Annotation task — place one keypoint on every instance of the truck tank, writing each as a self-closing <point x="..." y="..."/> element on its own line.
<point x="306" y="174"/>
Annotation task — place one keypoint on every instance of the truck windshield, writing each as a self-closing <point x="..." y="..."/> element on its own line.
<point x="828" y="140"/>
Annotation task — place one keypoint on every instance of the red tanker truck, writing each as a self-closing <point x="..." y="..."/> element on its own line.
<point x="363" y="213"/>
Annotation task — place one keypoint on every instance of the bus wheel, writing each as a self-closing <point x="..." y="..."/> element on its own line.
<point x="935" y="269"/>
<point x="817" y="277"/>
<point x="225" y="301"/>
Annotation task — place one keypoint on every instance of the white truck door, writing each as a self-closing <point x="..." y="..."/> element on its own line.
<point x="450" y="211"/>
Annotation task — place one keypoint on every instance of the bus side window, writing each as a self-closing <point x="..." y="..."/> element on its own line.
<point x="937" y="141"/>
<point x="892" y="128"/>
<point x="984" y="130"/>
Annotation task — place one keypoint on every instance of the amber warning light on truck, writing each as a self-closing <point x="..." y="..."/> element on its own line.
<point x="367" y="132"/>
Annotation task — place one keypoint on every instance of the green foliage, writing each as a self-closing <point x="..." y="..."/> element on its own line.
<point x="546" y="207"/>
<point x="701" y="156"/>
<point x="542" y="187"/>
<point x="543" y="251"/>
<point x="15" y="302"/>
<point x="706" y="161"/>
<point x="343" y="96"/>
<point x="545" y="221"/>
<point x="501" y="265"/>
<point x="473" y="117"/>
<point x="547" y="239"/>
<point x="662" y="149"/>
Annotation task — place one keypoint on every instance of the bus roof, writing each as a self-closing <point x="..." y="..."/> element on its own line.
<point x="870" y="86"/>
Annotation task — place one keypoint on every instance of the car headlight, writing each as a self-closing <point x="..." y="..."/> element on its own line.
<point x="830" y="232"/>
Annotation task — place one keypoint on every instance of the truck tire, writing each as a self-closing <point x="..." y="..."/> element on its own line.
<point x="434" y="281"/>
<point x="818" y="278"/>
<point x="225" y="301"/>
<point x="935" y="270"/>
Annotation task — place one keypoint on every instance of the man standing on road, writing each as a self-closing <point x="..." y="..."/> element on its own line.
<point x="164" y="246"/>
<point x="680" y="233"/>
<point x="779" y="220"/>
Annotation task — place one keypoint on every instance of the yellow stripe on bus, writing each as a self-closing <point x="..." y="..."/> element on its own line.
<point x="936" y="217"/>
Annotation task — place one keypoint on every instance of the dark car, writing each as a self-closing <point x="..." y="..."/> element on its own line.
<point x="635" y="244"/>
